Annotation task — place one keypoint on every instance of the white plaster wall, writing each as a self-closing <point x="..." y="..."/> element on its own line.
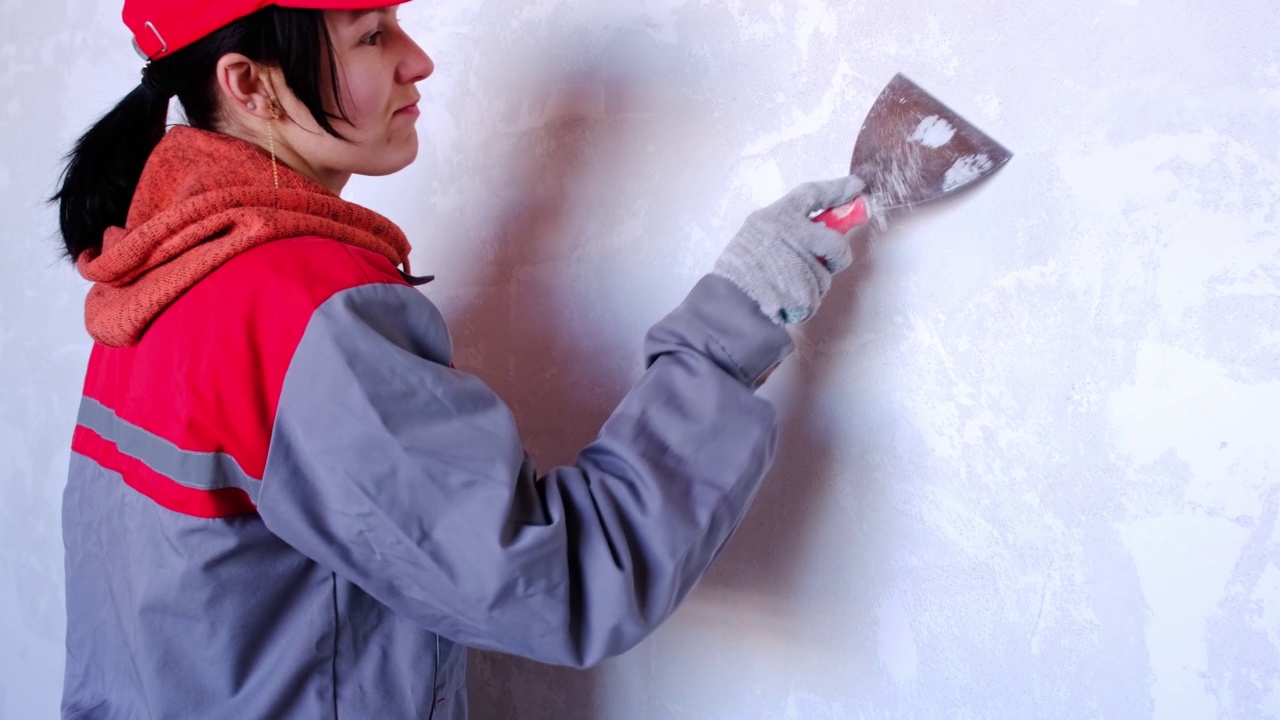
<point x="1031" y="464"/>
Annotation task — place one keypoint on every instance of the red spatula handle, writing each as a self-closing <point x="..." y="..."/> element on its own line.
<point x="846" y="217"/>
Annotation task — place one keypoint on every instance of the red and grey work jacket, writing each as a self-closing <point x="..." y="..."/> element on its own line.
<point x="284" y="503"/>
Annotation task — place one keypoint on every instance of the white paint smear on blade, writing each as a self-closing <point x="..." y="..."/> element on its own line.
<point x="965" y="170"/>
<point x="933" y="132"/>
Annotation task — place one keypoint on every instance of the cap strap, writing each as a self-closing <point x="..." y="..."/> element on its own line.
<point x="164" y="46"/>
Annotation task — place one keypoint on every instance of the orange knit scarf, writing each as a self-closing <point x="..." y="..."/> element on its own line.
<point x="204" y="198"/>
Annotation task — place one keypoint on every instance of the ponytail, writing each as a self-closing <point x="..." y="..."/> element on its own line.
<point x="103" y="170"/>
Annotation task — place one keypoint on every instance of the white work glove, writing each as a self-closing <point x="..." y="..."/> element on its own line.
<point x="782" y="259"/>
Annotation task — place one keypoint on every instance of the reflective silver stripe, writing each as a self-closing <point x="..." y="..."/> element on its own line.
<point x="196" y="470"/>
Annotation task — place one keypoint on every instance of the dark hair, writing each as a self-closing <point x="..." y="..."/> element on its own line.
<point x="103" y="169"/>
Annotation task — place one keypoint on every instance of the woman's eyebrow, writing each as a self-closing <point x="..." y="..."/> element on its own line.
<point x="355" y="15"/>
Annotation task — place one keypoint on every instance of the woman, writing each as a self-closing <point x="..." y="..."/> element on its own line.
<point x="283" y="501"/>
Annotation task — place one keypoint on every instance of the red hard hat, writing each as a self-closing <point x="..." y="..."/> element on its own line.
<point x="163" y="26"/>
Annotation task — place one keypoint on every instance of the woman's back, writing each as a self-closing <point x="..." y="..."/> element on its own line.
<point x="181" y="602"/>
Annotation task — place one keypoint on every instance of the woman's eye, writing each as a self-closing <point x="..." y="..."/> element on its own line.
<point x="372" y="38"/>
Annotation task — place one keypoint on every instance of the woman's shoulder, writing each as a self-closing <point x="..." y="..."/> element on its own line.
<point x="304" y="269"/>
<point x="277" y="287"/>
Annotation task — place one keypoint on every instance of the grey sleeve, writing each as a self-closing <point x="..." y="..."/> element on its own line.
<point x="408" y="478"/>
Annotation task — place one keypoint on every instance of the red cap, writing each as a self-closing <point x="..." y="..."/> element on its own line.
<point x="163" y="26"/>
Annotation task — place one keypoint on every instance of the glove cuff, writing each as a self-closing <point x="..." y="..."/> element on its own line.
<point x="752" y="282"/>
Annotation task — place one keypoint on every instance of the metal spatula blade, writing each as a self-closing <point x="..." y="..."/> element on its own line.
<point x="913" y="149"/>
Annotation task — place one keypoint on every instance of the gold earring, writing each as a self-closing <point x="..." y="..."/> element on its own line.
<point x="271" y="142"/>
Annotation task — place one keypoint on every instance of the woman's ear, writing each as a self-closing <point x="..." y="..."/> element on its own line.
<point x="244" y="85"/>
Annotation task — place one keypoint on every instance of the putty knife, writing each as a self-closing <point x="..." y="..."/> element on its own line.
<point x="913" y="149"/>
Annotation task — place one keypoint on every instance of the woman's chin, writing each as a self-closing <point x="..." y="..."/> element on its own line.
<point x="392" y="160"/>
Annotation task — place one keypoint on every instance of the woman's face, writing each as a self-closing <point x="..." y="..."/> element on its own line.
<point x="378" y="66"/>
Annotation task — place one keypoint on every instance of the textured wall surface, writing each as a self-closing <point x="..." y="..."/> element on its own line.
<point x="1031" y="461"/>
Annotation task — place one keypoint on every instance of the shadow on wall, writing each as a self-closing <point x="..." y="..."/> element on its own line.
<point x="523" y="336"/>
<point x="523" y="333"/>
<point x="762" y="568"/>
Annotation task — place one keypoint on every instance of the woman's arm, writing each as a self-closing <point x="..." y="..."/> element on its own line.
<point x="408" y="478"/>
